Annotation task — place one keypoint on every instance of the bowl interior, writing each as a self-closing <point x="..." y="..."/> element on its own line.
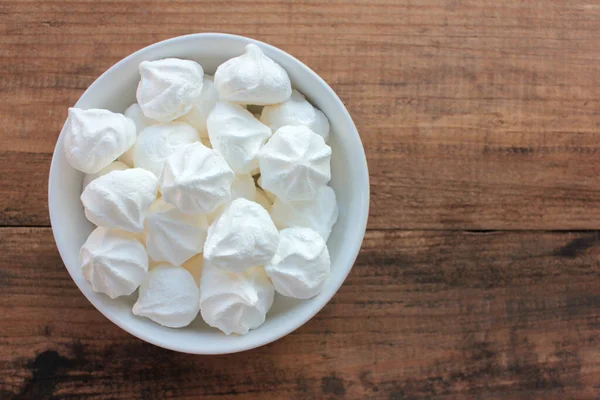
<point x="115" y="90"/>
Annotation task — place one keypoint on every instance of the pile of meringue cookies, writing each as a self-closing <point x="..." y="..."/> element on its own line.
<point x="209" y="194"/>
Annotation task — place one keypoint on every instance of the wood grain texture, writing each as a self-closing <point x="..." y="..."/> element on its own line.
<point x="442" y="315"/>
<point x="475" y="114"/>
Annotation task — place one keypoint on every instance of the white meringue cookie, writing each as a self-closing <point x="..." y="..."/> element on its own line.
<point x="135" y="113"/>
<point x="168" y="296"/>
<point x="301" y="264"/>
<point x="172" y="236"/>
<point x="113" y="166"/>
<point x="236" y="134"/>
<point x="94" y="138"/>
<point x="252" y="78"/>
<point x="243" y="236"/>
<point x="235" y="302"/>
<point x="295" y="163"/>
<point x="200" y="110"/>
<point x="319" y="214"/>
<point x="298" y="112"/>
<point x="120" y="199"/>
<point x="168" y="88"/>
<point x="157" y="142"/>
<point x="196" y="179"/>
<point x="113" y="261"/>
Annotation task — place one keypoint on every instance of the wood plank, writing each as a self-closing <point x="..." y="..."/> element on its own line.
<point x="24" y="188"/>
<point x="440" y="315"/>
<point x="474" y="114"/>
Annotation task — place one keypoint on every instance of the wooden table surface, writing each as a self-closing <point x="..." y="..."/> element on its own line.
<point x="479" y="275"/>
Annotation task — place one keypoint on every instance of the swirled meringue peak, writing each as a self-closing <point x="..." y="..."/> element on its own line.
<point x="120" y="199"/>
<point x="135" y="113"/>
<point x="319" y="214"/>
<point x="301" y="264"/>
<point x="113" y="261"/>
<point x="252" y="78"/>
<point x="296" y="111"/>
<point x="243" y="236"/>
<point x="168" y="296"/>
<point x="237" y="135"/>
<point x="157" y="142"/>
<point x="113" y="166"/>
<point x="295" y="163"/>
<point x="168" y="88"/>
<point x="172" y="236"/>
<point x="196" y="179"/>
<point x="235" y="302"/>
<point x="94" y="138"/>
<point x="200" y="110"/>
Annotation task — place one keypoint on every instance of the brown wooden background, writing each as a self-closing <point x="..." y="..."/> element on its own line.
<point x="478" y="277"/>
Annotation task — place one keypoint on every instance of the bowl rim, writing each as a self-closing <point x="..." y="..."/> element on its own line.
<point x="359" y="224"/>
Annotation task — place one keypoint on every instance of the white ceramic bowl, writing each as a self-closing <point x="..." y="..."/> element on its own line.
<point x="115" y="90"/>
